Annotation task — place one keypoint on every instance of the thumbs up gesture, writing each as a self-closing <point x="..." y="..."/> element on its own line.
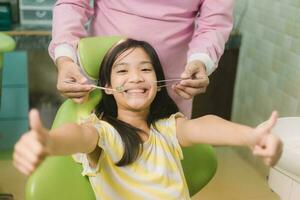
<point x="33" y="147"/>
<point x="265" y="144"/>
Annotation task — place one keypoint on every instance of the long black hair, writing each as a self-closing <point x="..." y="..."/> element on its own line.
<point x="161" y="107"/>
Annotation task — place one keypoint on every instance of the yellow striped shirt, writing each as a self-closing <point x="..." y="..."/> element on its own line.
<point x="156" y="174"/>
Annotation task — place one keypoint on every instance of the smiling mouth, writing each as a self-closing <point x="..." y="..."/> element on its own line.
<point x="136" y="90"/>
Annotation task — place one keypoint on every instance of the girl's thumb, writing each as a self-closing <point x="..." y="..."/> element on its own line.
<point x="272" y="120"/>
<point x="35" y="121"/>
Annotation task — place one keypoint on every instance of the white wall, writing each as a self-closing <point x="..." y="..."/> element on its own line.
<point x="268" y="76"/>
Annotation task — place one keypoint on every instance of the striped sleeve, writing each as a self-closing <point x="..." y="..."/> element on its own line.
<point x="109" y="141"/>
<point x="168" y="128"/>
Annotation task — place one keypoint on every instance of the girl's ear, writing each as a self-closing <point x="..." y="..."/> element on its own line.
<point x="108" y="92"/>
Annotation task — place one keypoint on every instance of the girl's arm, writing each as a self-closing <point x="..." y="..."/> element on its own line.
<point x="33" y="147"/>
<point x="213" y="130"/>
<point x="217" y="131"/>
<point x="72" y="138"/>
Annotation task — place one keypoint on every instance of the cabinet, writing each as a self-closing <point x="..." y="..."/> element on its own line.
<point x="14" y="102"/>
<point x="284" y="178"/>
<point x="284" y="184"/>
<point x="36" y="12"/>
<point x="295" y="191"/>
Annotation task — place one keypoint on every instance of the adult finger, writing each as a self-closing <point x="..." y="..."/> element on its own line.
<point x="80" y="99"/>
<point x="66" y="87"/>
<point x="79" y="78"/>
<point x="192" y="90"/>
<point x="195" y="83"/>
<point x="181" y="93"/>
<point x="68" y="70"/>
<point x="195" y="68"/>
<point x="75" y="94"/>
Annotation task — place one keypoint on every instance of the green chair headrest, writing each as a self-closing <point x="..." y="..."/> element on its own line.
<point x="92" y="50"/>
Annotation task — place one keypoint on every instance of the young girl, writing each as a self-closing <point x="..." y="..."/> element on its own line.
<point x="131" y="147"/>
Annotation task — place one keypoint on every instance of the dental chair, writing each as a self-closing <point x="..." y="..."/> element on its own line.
<point x="59" y="178"/>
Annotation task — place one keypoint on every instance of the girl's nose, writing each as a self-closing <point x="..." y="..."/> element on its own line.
<point x="136" y="77"/>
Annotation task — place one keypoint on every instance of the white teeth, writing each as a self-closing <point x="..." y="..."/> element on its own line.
<point x="136" y="91"/>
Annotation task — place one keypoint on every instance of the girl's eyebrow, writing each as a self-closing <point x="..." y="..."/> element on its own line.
<point x="146" y="62"/>
<point x="120" y="64"/>
<point x="127" y="64"/>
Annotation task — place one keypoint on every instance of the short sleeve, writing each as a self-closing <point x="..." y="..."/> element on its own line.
<point x="109" y="141"/>
<point x="167" y="127"/>
<point x="88" y="170"/>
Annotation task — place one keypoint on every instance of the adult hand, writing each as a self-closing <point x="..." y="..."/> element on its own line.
<point x="68" y="71"/>
<point x="267" y="145"/>
<point x="33" y="147"/>
<point x="196" y="80"/>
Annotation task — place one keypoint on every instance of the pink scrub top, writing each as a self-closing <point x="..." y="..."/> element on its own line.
<point x="179" y="30"/>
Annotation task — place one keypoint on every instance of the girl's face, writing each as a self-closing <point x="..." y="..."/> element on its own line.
<point x="134" y="72"/>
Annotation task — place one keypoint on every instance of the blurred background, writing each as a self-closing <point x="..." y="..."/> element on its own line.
<point x="259" y="72"/>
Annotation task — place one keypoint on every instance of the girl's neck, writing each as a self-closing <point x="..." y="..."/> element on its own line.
<point x="135" y="118"/>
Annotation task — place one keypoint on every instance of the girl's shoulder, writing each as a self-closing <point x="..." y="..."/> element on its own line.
<point x="168" y="124"/>
<point x="169" y="120"/>
<point x="98" y="123"/>
<point x="108" y="135"/>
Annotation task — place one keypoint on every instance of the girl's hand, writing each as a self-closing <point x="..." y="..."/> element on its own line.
<point x="33" y="147"/>
<point x="267" y="145"/>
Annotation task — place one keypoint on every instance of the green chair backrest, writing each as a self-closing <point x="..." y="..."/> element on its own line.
<point x="59" y="178"/>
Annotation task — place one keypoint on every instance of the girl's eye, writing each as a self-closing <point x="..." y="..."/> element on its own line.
<point x="121" y="71"/>
<point x="147" y="69"/>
